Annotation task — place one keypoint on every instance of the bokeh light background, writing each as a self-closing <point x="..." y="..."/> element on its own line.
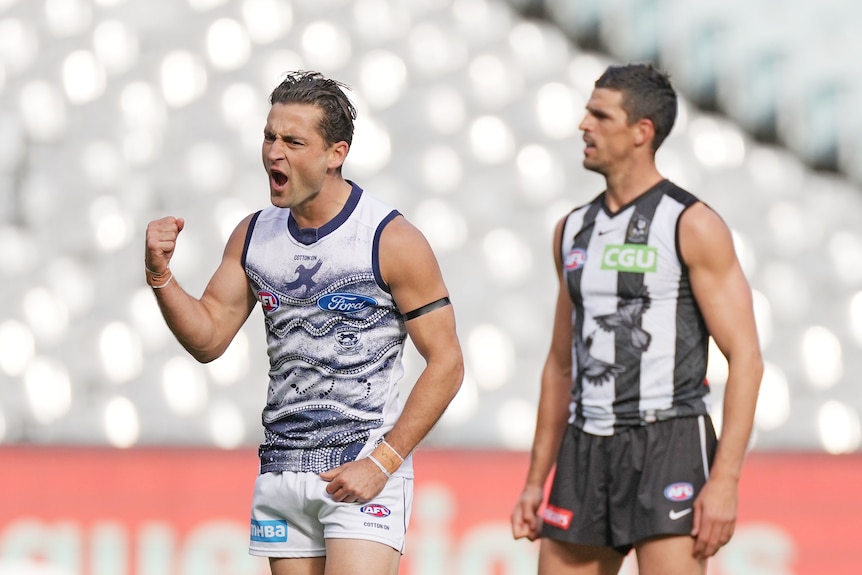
<point x="116" y="112"/>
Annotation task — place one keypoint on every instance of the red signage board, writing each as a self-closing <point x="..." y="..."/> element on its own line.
<point x="161" y="511"/>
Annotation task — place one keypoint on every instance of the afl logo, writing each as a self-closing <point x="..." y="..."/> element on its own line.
<point x="679" y="491"/>
<point x="375" y="510"/>
<point x="345" y="302"/>
<point x="268" y="300"/>
<point x="575" y="259"/>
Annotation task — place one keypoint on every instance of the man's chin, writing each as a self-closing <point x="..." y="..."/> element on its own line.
<point x="278" y="201"/>
<point x="591" y="166"/>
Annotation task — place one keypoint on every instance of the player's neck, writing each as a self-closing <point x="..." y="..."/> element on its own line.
<point x="625" y="187"/>
<point x="323" y="206"/>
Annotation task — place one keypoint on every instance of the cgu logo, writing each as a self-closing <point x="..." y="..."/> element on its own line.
<point x="630" y="258"/>
<point x="345" y="302"/>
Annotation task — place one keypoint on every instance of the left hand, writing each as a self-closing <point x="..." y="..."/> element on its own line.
<point x="714" y="516"/>
<point x="354" y="482"/>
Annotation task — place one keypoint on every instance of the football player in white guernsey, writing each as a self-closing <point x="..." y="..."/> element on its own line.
<point x="343" y="280"/>
<point x="647" y="274"/>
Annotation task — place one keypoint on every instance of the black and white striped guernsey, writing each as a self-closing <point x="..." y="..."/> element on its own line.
<point x="639" y="342"/>
<point x="335" y="336"/>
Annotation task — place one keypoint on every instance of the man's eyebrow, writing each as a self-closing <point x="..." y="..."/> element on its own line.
<point x="600" y="112"/>
<point x="286" y="137"/>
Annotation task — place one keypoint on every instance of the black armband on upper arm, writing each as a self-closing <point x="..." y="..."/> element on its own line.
<point x="442" y="302"/>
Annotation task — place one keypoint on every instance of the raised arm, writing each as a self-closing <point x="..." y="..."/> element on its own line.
<point x="553" y="411"/>
<point x="724" y="298"/>
<point x="206" y="326"/>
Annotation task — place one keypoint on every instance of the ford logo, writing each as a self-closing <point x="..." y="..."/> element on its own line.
<point x="345" y="302"/>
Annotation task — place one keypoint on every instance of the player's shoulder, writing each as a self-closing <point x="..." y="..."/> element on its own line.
<point x="694" y="212"/>
<point x="679" y="194"/>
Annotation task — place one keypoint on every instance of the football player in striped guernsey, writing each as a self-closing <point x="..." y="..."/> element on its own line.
<point x="647" y="274"/>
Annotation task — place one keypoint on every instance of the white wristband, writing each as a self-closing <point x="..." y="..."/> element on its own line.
<point x="380" y="465"/>
<point x="392" y="449"/>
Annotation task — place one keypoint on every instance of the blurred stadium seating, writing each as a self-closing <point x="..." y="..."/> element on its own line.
<point x="114" y="112"/>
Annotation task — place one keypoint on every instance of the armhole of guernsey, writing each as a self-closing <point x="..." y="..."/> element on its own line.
<point x="687" y="200"/>
<point x="562" y="242"/>
<point x="248" y="233"/>
<point x="375" y="250"/>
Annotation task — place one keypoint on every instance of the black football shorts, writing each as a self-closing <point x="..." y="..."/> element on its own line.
<point x="640" y="482"/>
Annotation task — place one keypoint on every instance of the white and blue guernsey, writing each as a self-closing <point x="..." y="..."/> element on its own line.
<point x="335" y="337"/>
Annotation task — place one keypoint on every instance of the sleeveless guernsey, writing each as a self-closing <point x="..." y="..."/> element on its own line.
<point x="639" y="342"/>
<point x="334" y="336"/>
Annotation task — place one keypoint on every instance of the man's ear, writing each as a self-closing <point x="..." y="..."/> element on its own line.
<point x="337" y="154"/>
<point x="644" y="132"/>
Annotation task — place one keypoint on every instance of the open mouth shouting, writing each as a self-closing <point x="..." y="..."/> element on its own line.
<point x="277" y="179"/>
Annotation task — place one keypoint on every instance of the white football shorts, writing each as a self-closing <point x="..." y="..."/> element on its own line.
<point x="292" y="515"/>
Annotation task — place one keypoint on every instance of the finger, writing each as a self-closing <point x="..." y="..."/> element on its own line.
<point x="726" y="533"/>
<point x="705" y="543"/>
<point x="331" y="474"/>
<point x="525" y="523"/>
<point x="526" y="532"/>
<point x="696" y="519"/>
<point x="519" y="528"/>
<point x="338" y="493"/>
<point x="334" y="486"/>
<point x="328" y="475"/>
<point x="698" y="531"/>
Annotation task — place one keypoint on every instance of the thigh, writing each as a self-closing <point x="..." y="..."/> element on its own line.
<point x="303" y="566"/>
<point x="556" y="557"/>
<point x="668" y="556"/>
<point x="360" y="557"/>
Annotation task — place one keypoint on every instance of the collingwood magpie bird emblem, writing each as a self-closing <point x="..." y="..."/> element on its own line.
<point x="626" y="321"/>
<point x="593" y="370"/>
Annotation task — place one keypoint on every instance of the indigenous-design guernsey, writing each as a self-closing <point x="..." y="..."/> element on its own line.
<point x="335" y="337"/>
<point x="639" y="342"/>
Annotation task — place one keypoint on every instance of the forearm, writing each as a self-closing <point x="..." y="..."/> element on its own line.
<point x="435" y="388"/>
<point x="740" y="402"/>
<point x="189" y="321"/>
<point x="551" y="420"/>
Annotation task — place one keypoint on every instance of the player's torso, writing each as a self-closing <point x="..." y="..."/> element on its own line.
<point x="334" y="334"/>
<point x="633" y="346"/>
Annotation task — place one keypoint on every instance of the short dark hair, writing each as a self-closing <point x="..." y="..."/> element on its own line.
<point x="647" y="93"/>
<point x="308" y="87"/>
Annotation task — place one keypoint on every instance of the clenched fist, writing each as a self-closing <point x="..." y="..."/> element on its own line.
<point x="161" y="243"/>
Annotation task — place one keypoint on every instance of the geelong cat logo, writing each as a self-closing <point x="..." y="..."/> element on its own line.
<point x="345" y="302"/>
<point x="630" y="258"/>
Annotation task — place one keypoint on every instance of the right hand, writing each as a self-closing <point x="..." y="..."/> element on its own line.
<point x="525" y="518"/>
<point x="357" y="481"/>
<point x="161" y="242"/>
